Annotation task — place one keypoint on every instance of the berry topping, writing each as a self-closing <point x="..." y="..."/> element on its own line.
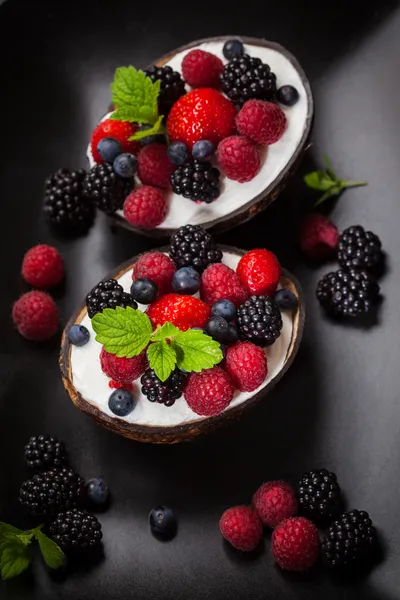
<point x="220" y="282"/>
<point x="107" y="189"/>
<point x="348" y="293"/>
<point x="287" y="95"/>
<point x="221" y="331"/>
<point x="320" y="495"/>
<point x="275" y="501"/>
<point x="359" y="248"/>
<point x="259" y="320"/>
<point x="65" y="205"/>
<point x="78" y="335"/>
<point x="224" y="308"/>
<point x="97" y="492"/>
<point x="109" y="148"/>
<point x="192" y="246"/>
<point x="186" y="281"/>
<point x="125" y="165"/>
<point x="247" y="366"/>
<point x="241" y="527"/>
<point x="163" y="392"/>
<point x="178" y="153"/>
<point x="121" y="369"/>
<point x="43" y="266"/>
<point x="44" y="452"/>
<point x="208" y="393"/>
<point x="239" y="158"/>
<point x="145" y="207"/>
<point x="185" y="312"/>
<point x="246" y="77"/>
<point x="163" y="522"/>
<point x="120" y="131"/>
<point x="196" y="180"/>
<point x="76" y="532"/>
<point x="154" y="166"/>
<point x="202" y="69"/>
<point x="108" y="294"/>
<point x="49" y="492"/>
<point x="262" y="122"/>
<point x="349" y="541"/>
<point x="203" y="150"/>
<point x="286" y="300"/>
<point x="121" y="403"/>
<point x="318" y="237"/>
<point x="295" y="544"/>
<point x="144" y="291"/>
<point x="35" y="315"/>
<point x="155" y="266"/>
<point x="260" y="271"/>
<point x="172" y="87"/>
<point x="233" y="49"/>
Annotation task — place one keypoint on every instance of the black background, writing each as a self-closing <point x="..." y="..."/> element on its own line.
<point x="339" y="404"/>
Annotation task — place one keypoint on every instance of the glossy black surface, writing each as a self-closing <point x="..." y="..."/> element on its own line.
<point x="339" y="405"/>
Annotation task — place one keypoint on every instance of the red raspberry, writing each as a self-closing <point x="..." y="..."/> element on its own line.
<point x="295" y="544"/>
<point x="145" y="207"/>
<point x="185" y="312"/>
<point x="208" y="393"/>
<point x="239" y="158"/>
<point x="158" y="267"/>
<point x="318" y="237"/>
<point x="259" y="270"/>
<point x="43" y="266"/>
<point x="154" y="166"/>
<point x="202" y="114"/>
<point x="241" y="527"/>
<point x="202" y="69"/>
<point x="119" y="130"/>
<point x="123" y="370"/>
<point x="263" y="122"/>
<point x="246" y="363"/>
<point x="36" y="316"/>
<point x="219" y="282"/>
<point x="275" y="501"/>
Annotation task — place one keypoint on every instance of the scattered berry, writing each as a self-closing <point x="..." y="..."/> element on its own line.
<point x="44" y="452"/>
<point x="220" y="282"/>
<point x="163" y="392"/>
<point x="158" y="138"/>
<point x="185" y="312"/>
<point x="320" y="496"/>
<point x="287" y="95"/>
<point x="155" y="266"/>
<point x="163" y="522"/>
<point x="42" y="266"/>
<point x="239" y="158"/>
<point x="145" y="207"/>
<point x="286" y="300"/>
<point x="196" y="180"/>
<point x="359" y="248"/>
<point x="295" y="544"/>
<point x="50" y="492"/>
<point x="118" y="130"/>
<point x="121" y="369"/>
<point x="193" y="246"/>
<point x="78" y="335"/>
<point x="241" y="527"/>
<point x="202" y="69"/>
<point x="171" y="89"/>
<point x="259" y="270"/>
<point x="233" y="49"/>
<point x="121" y="403"/>
<point x="144" y="291"/>
<point x="246" y="365"/>
<point x="275" y="501"/>
<point x="318" y="237"/>
<point x="208" y="393"/>
<point x="154" y="166"/>
<point x="108" y="294"/>
<point x="97" y="492"/>
<point x="262" y="122"/>
<point x="107" y="189"/>
<point x="76" y="532"/>
<point x="224" y="308"/>
<point x="65" y="205"/>
<point x="349" y="541"/>
<point x="125" y="165"/>
<point x="186" y="281"/>
<point x="203" y="150"/>
<point x="35" y="315"/>
<point x="178" y="153"/>
<point x="221" y="331"/>
<point x="348" y="293"/>
<point x="259" y="320"/>
<point x="246" y="77"/>
<point x="108" y="149"/>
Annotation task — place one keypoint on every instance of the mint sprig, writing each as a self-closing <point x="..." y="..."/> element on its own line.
<point x="123" y="331"/>
<point x="328" y="182"/>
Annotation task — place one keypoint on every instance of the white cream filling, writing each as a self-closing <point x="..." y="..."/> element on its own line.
<point x="234" y="195"/>
<point x="93" y="385"/>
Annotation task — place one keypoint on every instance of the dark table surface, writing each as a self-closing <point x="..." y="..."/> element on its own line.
<point x="339" y="404"/>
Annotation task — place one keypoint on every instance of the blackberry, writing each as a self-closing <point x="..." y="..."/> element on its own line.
<point x="65" y="206"/>
<point x="259" y="320"/>
<point x="359" y="248"/>
<point x="44" y="452"/>
<point x="76" y="531"/>
<point x="349" y="540"/>
<point x="49" y="492"/>
<point x="248" y="77"/>
<point x="171" y="89"/>
<point x="107" y="189"/>
<point x="108" y="294"/>
<point x="347" y="293"/>
<point x="320" y="496"/>
<point x="163" y="392"/>
<point x="193" y="246"/>
<point x="197" y="180"/>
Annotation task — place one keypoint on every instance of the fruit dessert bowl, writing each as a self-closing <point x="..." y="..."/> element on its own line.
<point x="180" y="340"/>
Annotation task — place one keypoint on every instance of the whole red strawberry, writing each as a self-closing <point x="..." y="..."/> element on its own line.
<point x="154" y="166"/>
<point x="145" y="207"/>
<point x="295" y="544"/>
<point x="241" y="527"/>
<point x="203" y="114"/>
<point x="275" y="501"/>
<point x="119" y="130"/>
<point x="220" y="282"/>
<point x="36" y="316"/>
<point x="208" y="393"/>
<point x="259" y="270"/>
<point x="239" y="158"/>
<point x="318" y="237"/>
<point x="185" y="312"/>
<point x="202" y="69"/>
<point x="124" y="370"/>
<point x="262" y="122"/>
<point x="155" y="266"/>
<point x="43" y="266"/>
<point x="246" y="363"/>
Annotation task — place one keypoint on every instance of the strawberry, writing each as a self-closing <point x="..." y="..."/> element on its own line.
<point x="185" y="312"/>
<point x="118" y="130"/>
<point x="259" y="270"/>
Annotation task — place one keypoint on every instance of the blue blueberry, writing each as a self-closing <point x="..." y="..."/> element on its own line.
<point x="203" y="150"/>
<point x="97" y="492"/>
<point x="217" y="328"/>
<point x="125" y="165"/>
<point x="109" y="148"/>
<point x="163" y="522"/>
<point x="178" y="153"/>
<point x="186" y="281"/>
<point x="285" y="299"/>
<point x="233" y="49"/>
<point x="233" y="335"/>
<point x="158" y="138"/>
<point x="144" y="291"/>
<point x="224" y="308"/>
<point x="121" y="403"/>
<point x="78" y="335"/>
<point x="287" y="95"/>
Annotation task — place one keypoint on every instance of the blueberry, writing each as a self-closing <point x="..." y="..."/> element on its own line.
<point x="121" y="403"/>
<point x="109" y="148"/>
<point x="217" y="328"/>
<point x="287" y="95"/>
<point x="203" y="150"/>
<point x="186" y="281"/>
<point x="286" y="299"/>
<point x="158" y="138"/>
<point x="224" y="308"/>
<point x="162" y="522"/>
<point x="125" y="165"/>
<point x="97" y="492"/>
<point x="178" y="153"/>
<point x="233" y="335"/>
<point x="144" y="291"/>
<point x="78" y="335"/>
<point x="233" y="49"/>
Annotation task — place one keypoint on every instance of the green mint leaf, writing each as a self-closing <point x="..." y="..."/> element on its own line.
<point x="158" y="127"/>
<point x="319" y="180"/>
<point x="15" y="557"/>
<point x="26" y="537"/>
<point x="52" y="554"/>
<point x="162" y="358"/>
<point x="196" y="351"/>
<point x="5" y="529"/>
<point x="334" y="191"/>
<point x="122" y="331"/>
<point x="135" y="96"/>
<point x="168" y="330"/>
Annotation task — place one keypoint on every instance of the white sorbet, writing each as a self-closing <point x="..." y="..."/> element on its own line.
<point x="235" y="195"/>
<point x="93" y="385"/>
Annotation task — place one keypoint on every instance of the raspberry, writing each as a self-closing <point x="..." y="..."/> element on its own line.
<point x="209" y="392"/>
<point x="119" y="130"/>
<point x="318" y="237"/>
<point x="155" y="266"/>
<point x="202" y="69"/>
<point x="275" y="501"/>
<point x="295" y="544"/>
<point x="241" y="527"/>
<point x="246" y="363"/>
<point x="239" y="158"/>
<point x="42" y="266"/>
<point x="36" y="316"/>
<point x="259" y="270"/>
<point x="123" y="370"/>
<point x="262" y="122"/>
<point x="220" y="282"/>
<point x="185" y="312"/>
<point x="154" y="166"/>
<point x="145" y="207"/>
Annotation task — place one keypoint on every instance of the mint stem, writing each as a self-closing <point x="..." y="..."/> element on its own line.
<point x="347" y="184"/>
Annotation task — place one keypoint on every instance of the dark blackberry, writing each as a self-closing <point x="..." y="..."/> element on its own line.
<point x="171" y="89"/>
<point x="65" y="205"/>
<point x="320" y="496"/>
<point x="349" y="540"/>
<point x="248" y="77"/>
<point x="43" y="452"/>
<point x="259" y="320"/>
<point x="193" y="246"/>
<point x="108" y="294"/>
<point x="107" y="189"/>
<point x="347" y="293"/>
<point x="197" y="180"/>
<point x="359" y="248"/>
<point x="49" y="492"/>
<point x="163" y="392"/>
<point x="76" y="531"/>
